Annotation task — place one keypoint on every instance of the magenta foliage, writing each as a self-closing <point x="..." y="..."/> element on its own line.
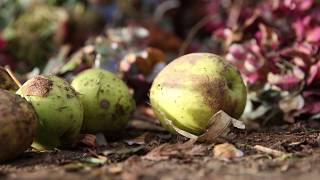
<point x="274" y="43"/>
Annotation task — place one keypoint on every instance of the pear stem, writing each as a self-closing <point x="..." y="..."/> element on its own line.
<point x="11" y="74"/>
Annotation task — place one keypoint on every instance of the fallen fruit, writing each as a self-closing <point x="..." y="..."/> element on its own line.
<point x="18" y="122"/>
<point x="59" y="109"/>
<point x="192" y="88"/>
<point x="107" y="101"/>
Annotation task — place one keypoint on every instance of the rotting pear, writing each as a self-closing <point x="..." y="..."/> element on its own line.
<point x="192" y="88"/>
<point x="108" y="103"/>
<point x="59" y="109"/>
<point x="18" y="122"/>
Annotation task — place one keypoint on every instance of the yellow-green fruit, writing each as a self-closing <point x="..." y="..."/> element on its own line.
<point x="107" y="101"/>
<point x="18" y="122"/>
<point x="59" y="110"/>
<point x="192" y="88"/>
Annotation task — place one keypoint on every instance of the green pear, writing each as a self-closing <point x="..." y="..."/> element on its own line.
<point x="18" y="122"/>
<point x="59" y="109"/>
<point x="192" y="88"/>
<point x="107" y="101"/>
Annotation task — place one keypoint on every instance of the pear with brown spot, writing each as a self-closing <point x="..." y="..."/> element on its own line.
<point x="59" y="109"/>
<point x="192" y="88"/>
<point x="108" y="103"/>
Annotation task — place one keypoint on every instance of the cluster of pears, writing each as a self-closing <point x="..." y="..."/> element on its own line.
<point x="96" y="101"/>
<point x="184" y="95"/>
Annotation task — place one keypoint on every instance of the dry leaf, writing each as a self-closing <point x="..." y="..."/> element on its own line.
<point x="151" y="56"/>
<point x="227" y="151"/>
<point x="89" y="140"/>
<point x="182" y="132"/>
<point x="145" y="60"/>
<point x="166" y="151"/>
<point x="220" y="124"/>
<point x="161" y="38"/>
<point x="140" y="140"/>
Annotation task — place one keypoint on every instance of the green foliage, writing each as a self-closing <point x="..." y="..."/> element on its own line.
<point x="32" y="36"/>
<point x="8" y="11"/>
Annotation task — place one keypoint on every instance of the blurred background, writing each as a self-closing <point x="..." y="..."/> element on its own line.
<point x="274" y="44"/>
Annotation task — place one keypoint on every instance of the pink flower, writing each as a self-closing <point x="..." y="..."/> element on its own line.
<point x="248" y="59"/>
<point x="314" y="73"/>
<point x="300" y="27"/>
<point x="313" y="35"/>
<point x="286" y="81"/>
<point x="299" y="5"/>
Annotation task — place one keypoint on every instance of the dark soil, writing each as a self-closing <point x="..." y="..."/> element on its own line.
<point x="131" y="158"/>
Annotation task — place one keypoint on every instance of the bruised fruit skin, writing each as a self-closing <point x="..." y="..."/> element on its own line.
<point x="18" y="122"/>
<point x="107" y="101"/>
<point x="192" y="88"/>
<point x="59" y="109"/>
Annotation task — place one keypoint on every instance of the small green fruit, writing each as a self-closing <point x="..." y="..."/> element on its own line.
<point x="192" y="88"/>
<point x="18" y="122"/>
<point x="59" y="109"/>
<point x="107" y="101"/>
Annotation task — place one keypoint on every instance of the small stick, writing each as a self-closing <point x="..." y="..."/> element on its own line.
<point x="11" y="74"/>
<point x="269" y="150"/>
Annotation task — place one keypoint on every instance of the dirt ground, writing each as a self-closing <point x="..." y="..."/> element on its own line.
<point x="146" y="151"/>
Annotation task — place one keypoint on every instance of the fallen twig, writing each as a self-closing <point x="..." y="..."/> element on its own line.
<point x="11" y="74"/>
<point x="269" y="150"/>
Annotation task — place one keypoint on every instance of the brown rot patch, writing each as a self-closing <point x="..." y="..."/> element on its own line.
<point x="213" y="91"/>
<point x="104" y="104"/>
<point x="38" y="86"/>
